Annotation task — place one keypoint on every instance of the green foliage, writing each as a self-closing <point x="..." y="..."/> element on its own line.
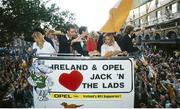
<point x="22" y="16"/>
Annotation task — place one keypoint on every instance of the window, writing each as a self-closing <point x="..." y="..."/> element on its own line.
<point x="136" y="13"/>
<point x="148" y="7"/>
<point x="168" y="11"/>
<point x="152" y="5"/>
<point x="148" y="18"/>
<point x="143" y="10"/>
<point x="163" y="2"/>
<point x="157" y="3"/>
<point x="174" y="8"/>
<point x="159" y="14"/>
<point x="156" y="15"/>
<point x="141" y="21"/>
<point x="131" y="15"/>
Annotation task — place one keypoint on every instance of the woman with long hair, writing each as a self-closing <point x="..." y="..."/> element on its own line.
<point x="110" y="47"/>
<point x="41" y="45"/>
<point x="91" y="44"/>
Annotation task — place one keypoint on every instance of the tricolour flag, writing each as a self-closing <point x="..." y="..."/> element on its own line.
<point x="118" y="15"/>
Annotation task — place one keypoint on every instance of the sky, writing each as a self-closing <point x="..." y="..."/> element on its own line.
<point x="90" y="13"/>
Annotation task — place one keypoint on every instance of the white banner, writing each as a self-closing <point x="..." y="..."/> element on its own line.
<point x="87" y="83"/>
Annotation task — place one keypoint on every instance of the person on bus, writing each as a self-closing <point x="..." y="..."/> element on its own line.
<point x="65" y="40"/>
<point x="41" y="44"/>
<point x="126" y="43"/>
<point x="110" y="47"/>
<point x="91" y="43"/>
<point x="79" y="44"/>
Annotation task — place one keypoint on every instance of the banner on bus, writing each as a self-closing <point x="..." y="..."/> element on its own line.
<point x="83" y="82"/>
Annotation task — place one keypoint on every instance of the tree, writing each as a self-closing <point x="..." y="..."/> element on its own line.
<point x="22" y="16"/>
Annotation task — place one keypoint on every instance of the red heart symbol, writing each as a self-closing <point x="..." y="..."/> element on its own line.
<point x="71" y="81"/>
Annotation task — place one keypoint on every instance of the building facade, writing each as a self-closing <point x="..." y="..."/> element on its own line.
<point x="157" y="19"/>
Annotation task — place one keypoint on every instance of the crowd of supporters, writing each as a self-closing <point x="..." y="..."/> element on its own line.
<point x="157" y="72"/>
<point x="15" y="90"/>
<point x="157" y="79"/>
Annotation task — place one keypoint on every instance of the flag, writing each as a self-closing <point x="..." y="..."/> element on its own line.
<point x="118" y="15"/>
